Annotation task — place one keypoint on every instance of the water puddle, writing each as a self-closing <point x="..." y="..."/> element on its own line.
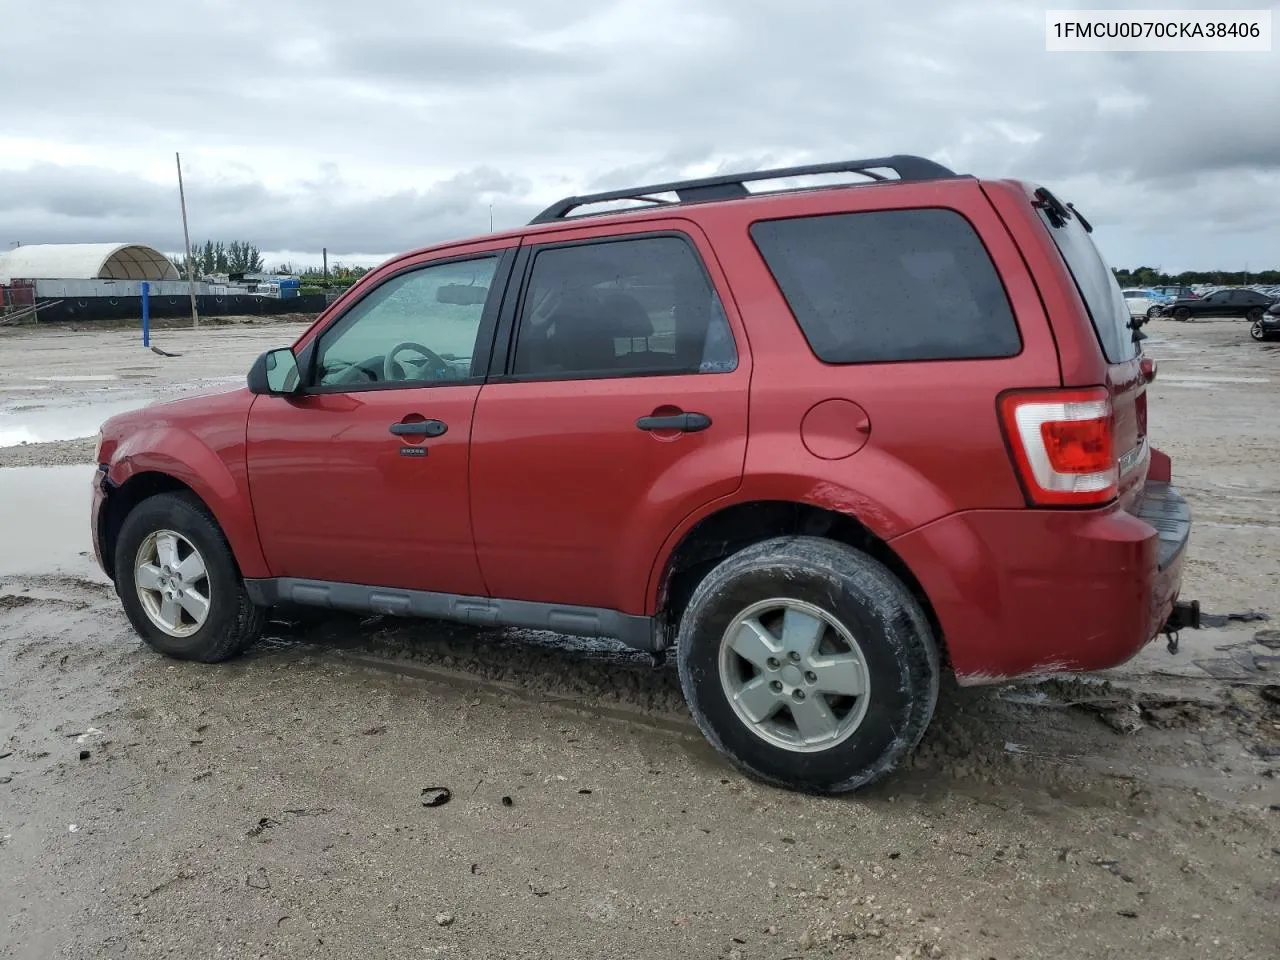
<point x="79" y="378"/>
<point x="1190" y="379"/>
<point x="1251" y="527"/>
<point x="52" y="424"/>
<point x="44" y="521"/>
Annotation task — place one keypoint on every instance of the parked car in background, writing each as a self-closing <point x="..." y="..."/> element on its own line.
<point x="1267" y="326"/>
<point x="1143" y="302"/>
<point x="548" y="428"/>
<point x="1236" y="303"/>
<point x="1177" y="292"/>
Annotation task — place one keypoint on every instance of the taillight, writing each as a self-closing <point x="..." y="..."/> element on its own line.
<point x="1063" y="443"/>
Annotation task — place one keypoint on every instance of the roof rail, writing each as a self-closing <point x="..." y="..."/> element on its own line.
<point x="734" y="184"/>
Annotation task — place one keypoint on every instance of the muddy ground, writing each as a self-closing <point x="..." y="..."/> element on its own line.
<point x="274" y="806"/>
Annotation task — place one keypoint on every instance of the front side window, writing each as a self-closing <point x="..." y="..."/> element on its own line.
<point x="418" y="328"/>
<point x="618" y="308"/>
<point x="890" y="285"/>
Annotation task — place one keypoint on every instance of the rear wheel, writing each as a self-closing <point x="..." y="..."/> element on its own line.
<point x="178" y="582"/>
<point x="1153" y="312"/>
<point x="808" y="664"/>
<point x="1181" y="313"/>
<point x="1255" y="315"/>
<point x="1257" y="332"/>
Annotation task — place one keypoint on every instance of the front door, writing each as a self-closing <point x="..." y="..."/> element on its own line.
<point x="362" y="478"/>
<point x="1217" y="304"/>
<point x="621" y="410"/>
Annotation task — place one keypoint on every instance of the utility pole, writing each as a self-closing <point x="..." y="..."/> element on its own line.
<point x="186" y="236"/>
<point x="491" y="218"/>
<point x="324" y="252"/>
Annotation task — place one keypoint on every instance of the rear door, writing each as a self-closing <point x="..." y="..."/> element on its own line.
<point x="620" y="408"/>
<point x="1216" y="304"/>
<point x="1109" y="314"/>
<point x="1249" y="300"/>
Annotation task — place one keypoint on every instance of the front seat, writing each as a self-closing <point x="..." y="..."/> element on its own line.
<point x="580" y="341"/>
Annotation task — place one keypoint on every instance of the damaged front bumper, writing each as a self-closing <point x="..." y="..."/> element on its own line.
<point x="101" y="487"/>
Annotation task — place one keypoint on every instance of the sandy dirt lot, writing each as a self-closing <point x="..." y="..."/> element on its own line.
<point x="272" y="807"/>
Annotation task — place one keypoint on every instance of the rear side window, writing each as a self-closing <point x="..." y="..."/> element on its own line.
<point x="1097" y="285"/>
<point x="621" y="308"/>
<point x="890" y="285"/>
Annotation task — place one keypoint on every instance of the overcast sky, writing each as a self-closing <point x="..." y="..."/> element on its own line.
<point x="378" y="126"/>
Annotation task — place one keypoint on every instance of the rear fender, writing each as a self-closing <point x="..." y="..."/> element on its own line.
<point x="911" y="495"/>
<point x="221" y="485"/>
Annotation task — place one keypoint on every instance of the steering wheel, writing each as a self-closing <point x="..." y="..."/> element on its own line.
<point x="436" y="361"/>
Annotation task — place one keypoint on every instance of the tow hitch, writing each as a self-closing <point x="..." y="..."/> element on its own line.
<point x="1185" y="613"/>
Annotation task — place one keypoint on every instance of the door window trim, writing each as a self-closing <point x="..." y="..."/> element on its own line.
<point x="502" y="358"/>
<point x="309" y="356"/>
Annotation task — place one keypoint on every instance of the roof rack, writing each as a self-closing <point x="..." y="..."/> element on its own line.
<point x="731" y="185"/>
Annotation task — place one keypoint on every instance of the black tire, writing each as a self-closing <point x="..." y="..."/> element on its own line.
<point x="233" y="622"/>
<point x="1181" y="313"/>
<point x="898" y="649"/>
<point x="1153" y="312"/>
<point x="1256" y="331"/>
<point x="1254" y="315"/>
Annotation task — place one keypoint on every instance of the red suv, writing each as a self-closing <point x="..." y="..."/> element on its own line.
<point x="826" y="442"/>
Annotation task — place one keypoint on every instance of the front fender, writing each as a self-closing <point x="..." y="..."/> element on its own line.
<point x="213" y="467"/>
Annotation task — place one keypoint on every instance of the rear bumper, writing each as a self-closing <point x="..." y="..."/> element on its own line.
<point x="1021" y="592"/>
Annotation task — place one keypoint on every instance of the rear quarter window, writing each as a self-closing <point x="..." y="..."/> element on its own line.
<point x="1098" y="287"/>
<point x="890" y="285"/>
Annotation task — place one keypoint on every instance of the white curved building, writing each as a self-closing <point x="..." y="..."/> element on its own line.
<point x="85" y="261"/>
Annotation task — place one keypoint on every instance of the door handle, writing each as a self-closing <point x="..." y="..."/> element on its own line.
<point x="420" y="428"/>
<point x="683" y="422"/>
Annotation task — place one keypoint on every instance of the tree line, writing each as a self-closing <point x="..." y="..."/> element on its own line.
<point x="1154" y="277"/>
<point x="218" y="257"/>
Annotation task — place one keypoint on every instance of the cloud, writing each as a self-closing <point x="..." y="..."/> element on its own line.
<point x="54" y="204"/>
<point x="398" y="124"/>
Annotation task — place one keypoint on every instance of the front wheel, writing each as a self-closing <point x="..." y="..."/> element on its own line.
<point x="1257" y="332"/>
<point x="1153" y="312"/>
<point x="178" y="582"/>
<point x="808" y="664"/>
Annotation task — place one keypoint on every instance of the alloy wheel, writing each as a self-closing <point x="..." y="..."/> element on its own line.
<point x="794" y="675"/>
<point x="172" y="583"/>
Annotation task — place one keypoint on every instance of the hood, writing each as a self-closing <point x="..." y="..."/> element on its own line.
<point x="188" y="411"/>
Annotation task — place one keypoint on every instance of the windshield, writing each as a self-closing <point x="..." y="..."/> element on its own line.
<point x="1096" y="283"/>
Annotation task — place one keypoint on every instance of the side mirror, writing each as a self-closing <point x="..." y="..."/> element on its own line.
<point x="275" y="373"/>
